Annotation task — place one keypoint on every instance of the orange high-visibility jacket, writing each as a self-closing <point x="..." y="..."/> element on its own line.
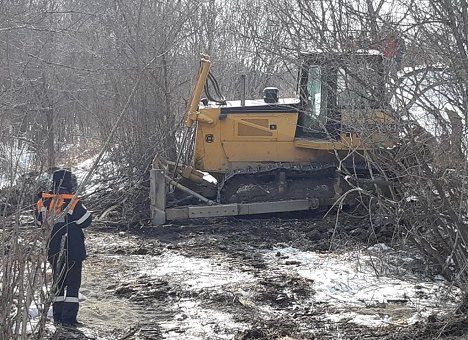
<point x="67" y="226"/>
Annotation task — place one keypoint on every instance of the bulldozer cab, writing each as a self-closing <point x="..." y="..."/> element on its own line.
<point x="336" y="90"/>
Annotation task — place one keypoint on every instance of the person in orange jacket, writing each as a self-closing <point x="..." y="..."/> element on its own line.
<point x="67" y="216"/>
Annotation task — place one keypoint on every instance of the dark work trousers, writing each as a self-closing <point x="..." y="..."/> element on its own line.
<point x="66" y="285"/>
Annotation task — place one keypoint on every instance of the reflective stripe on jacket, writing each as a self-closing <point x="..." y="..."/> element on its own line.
<point x="68" y="227"/>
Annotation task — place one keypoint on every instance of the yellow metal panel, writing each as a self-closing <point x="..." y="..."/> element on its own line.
<point x="209" y="153"/>
<point x="270" y="152"/>
<point x="260" y="123"/>
<point x="376" y="127"/>
<point x="254" y="128"/>
<point x="282" y="127"/>
<point x="219" y="144"/>
<point x="239" y="140"/>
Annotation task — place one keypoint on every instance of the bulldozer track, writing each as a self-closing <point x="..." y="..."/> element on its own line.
<point x="318" y="175"/>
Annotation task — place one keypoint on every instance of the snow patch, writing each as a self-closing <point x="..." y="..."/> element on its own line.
<point x="379" y="247"/>
<point x="349" y="281"/>
<point x="195" y="273"/>
<point x="200" y="323"/>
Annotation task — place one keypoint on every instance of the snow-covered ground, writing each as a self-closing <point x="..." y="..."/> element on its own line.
<point x="81" y="170"/>
<point x="216" y="284"/>
<point x="352" y="287"/>
<point x="16" y="160"/>
<point x="99" y="179"/>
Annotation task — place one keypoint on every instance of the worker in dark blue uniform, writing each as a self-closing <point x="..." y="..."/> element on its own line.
<point x="64" y="213"/>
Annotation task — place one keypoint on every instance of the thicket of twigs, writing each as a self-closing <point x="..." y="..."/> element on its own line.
<point x="427" y="205"/>
<point x="435" y="204"/>
<point x="24" y="276"/>
<point x="69" y="70"/>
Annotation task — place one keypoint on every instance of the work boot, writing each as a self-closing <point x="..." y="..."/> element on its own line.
<point x="76" y="324"/>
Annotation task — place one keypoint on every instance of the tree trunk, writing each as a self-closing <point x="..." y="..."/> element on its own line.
<point x="50" y="137"/>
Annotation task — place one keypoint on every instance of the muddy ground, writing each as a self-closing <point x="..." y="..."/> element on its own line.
<point x="251" y="279"/>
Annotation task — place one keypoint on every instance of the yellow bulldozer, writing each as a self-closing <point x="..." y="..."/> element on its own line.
<point x="277" y="154"/>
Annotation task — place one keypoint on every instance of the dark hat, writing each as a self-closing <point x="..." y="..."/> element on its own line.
<point x="62" y="178"/>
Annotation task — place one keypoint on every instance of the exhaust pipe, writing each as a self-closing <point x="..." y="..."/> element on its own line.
<point x="242" y="88"/>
